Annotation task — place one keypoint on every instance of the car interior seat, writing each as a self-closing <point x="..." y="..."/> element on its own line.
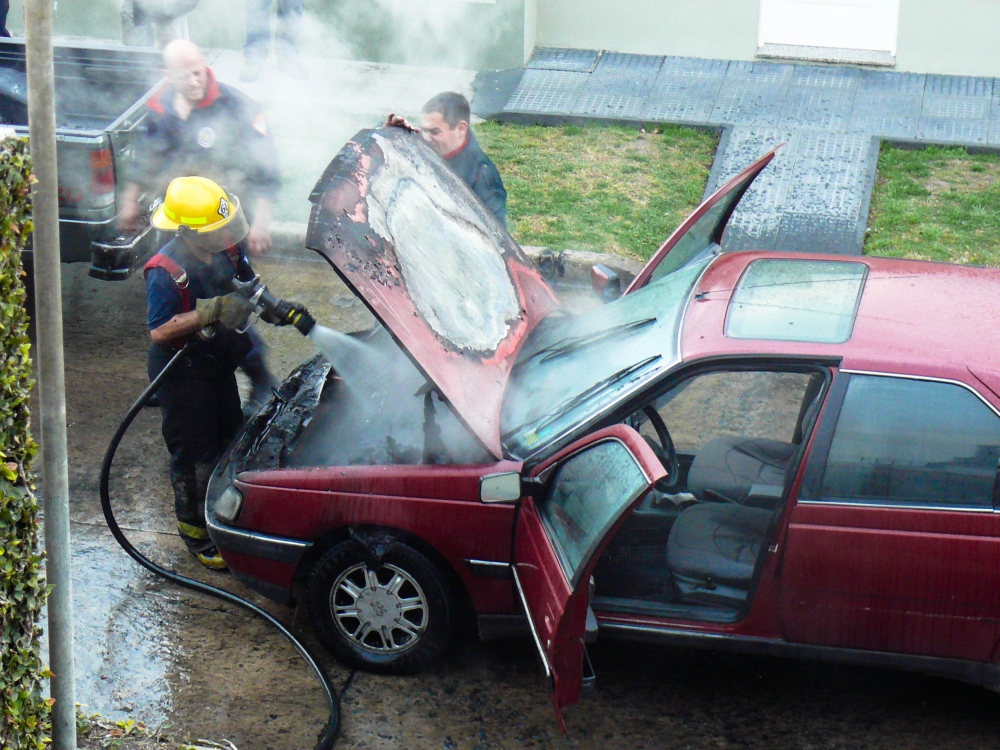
<point x="730" y="465"/>
<point x="712" y="551"/>
<point x="713" y="547"/>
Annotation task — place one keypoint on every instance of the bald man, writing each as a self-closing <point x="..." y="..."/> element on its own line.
<point x="197" y="126"/>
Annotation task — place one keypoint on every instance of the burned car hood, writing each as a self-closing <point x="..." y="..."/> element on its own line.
<point x="317" y="419"/>
<point x="433" y="265"/>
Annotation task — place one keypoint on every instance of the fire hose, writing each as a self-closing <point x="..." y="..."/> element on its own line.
<point x="329" y="733"/>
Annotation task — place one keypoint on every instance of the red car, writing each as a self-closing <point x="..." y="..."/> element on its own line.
<point x="764" y="452"/>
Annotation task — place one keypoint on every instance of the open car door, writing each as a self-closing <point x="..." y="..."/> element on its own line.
<point x="431" y="262"/>
<point x="701" y="232"/>
<point x="585" y="492"/>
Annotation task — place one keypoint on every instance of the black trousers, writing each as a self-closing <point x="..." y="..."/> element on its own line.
<point x="200" y="405"/>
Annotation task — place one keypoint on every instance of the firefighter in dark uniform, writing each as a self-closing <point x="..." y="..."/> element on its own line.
<point x="198" y="126"/>
<point x="190" y="298"/>
<point x="444" y="124"/>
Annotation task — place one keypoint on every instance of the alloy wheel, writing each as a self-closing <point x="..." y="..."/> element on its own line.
<point x="382" y="611"/>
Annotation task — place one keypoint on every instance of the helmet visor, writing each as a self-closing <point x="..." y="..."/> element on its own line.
<point x="222" y="238"/>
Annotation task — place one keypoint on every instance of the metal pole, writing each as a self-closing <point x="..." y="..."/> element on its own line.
<point x="51" y="382"/>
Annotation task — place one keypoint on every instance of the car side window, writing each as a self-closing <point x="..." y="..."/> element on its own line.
<point x="738" y="403"/>
<point x="901" y="441"/>
<point x="588" y="494"/>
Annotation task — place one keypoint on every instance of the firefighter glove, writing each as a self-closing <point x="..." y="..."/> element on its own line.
<point x="233" y="310"/>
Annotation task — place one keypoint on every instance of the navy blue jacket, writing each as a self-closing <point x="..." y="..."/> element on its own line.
<point x="222" y="354"/>
<point x="480" y="174"/>
<point x="225" y="139"/>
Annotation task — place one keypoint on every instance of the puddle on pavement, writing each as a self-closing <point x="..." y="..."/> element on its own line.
<point x="123" y="652"/>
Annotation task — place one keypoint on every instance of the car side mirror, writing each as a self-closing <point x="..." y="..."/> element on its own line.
<point x="605" y="282"/>
<point x="500" y="488"/>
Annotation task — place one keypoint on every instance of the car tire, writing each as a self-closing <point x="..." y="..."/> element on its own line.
<point x="398" y="623"/>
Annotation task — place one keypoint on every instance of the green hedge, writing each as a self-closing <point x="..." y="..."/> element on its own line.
<point x="25" y="713"/>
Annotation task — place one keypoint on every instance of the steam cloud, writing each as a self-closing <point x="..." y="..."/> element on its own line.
<point x="441" y="33"/>
<point x="378" y="412"/>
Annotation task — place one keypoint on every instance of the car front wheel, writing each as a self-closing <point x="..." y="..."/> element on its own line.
<point x="394" y="615"/>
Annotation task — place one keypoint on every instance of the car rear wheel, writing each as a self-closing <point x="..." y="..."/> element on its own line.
<point x="395" y="616"/>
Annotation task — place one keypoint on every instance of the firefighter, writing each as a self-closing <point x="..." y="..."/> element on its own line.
<point x="444" y="124"/>
<point x="198" y="126"/>
<point x="190" y="298"/>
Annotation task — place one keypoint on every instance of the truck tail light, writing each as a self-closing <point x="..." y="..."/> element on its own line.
<point x="102" y="178"/>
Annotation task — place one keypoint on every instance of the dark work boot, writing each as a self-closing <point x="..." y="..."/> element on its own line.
<point x="189" y="484"/>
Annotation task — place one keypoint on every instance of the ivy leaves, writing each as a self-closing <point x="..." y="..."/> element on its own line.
<point x="24" y="713"/>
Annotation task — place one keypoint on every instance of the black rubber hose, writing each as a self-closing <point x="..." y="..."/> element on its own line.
<point x="329" y="734"/>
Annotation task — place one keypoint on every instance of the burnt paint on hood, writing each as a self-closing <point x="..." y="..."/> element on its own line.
<point x="433" y="265"/>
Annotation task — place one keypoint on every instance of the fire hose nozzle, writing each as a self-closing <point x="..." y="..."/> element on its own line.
<point x="273" y="309"/>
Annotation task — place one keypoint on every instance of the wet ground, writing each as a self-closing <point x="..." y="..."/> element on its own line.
<point x="150" y="651"/>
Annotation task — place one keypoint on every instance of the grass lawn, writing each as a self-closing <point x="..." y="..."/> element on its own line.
<point x="936" y="204"/>
<point x="604" y="188"/>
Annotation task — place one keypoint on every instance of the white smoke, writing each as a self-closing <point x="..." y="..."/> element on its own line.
<point x="468" y="34"/>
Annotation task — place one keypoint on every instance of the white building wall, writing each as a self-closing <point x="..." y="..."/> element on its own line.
<point x="958" y="37"/>
<point x="690" y="28"/>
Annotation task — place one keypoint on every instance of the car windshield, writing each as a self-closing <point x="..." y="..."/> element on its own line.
<point x="572" y="368"/>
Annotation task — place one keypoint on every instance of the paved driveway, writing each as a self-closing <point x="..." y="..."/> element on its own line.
<point x="148" y="650"/>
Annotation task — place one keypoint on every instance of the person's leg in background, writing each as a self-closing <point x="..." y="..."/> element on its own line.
<point x="4" y="10"/>
<point x="137" y="31"/>
<point x="167" y="31"/>
<point x="258" y="39"/>
<point x="286" y="38"/>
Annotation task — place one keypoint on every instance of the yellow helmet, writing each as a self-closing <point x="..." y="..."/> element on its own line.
<point x="203" y="212"/>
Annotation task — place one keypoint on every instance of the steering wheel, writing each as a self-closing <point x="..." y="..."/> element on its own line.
<point x="665" y="451"/>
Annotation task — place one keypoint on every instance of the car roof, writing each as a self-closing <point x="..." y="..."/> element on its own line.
<point x="914" y="317"/>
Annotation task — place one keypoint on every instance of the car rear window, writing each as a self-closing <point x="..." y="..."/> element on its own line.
<point x="797" y="300"/>
<point x="912" y="442"/>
